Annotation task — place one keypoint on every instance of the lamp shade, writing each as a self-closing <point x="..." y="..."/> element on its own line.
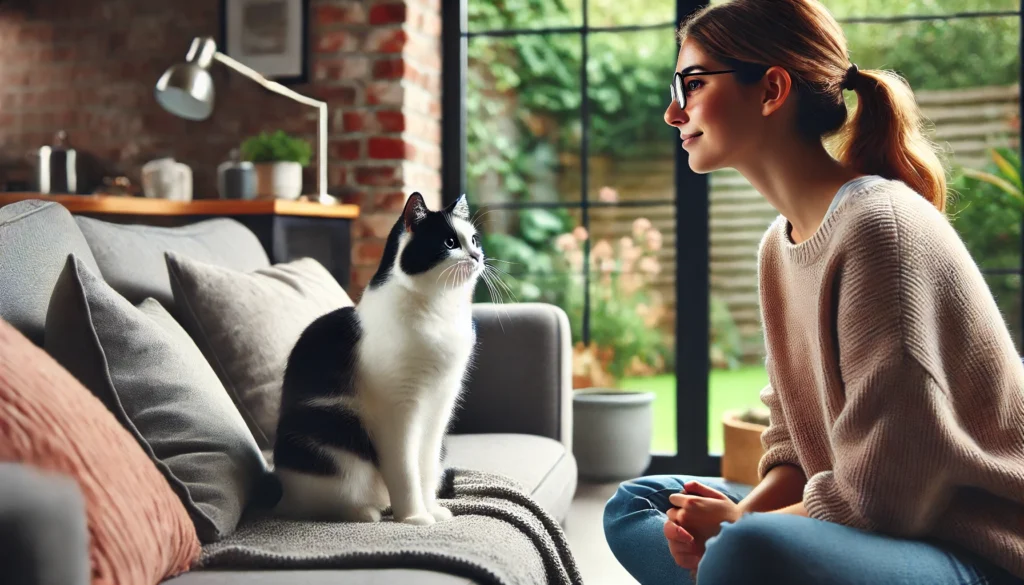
<point x="186" y="90"/>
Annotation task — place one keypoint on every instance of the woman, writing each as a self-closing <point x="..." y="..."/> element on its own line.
<point x="895" y="452"/>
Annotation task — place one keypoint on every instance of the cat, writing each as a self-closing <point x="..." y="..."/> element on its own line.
<point x="369" y="391"/>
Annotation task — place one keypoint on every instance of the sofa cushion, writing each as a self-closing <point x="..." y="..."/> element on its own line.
<point x="35" y="240"/>
<point x="131" y="257"/>
<point x="138" y="530"/>
<point x="246" y="324"/>
<point x="320" y="577"/>
<point x="151" y="375"/>
<point x="541" y="465"/>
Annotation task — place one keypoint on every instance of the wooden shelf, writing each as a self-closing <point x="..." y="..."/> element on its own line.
<point x="125" y="205"/>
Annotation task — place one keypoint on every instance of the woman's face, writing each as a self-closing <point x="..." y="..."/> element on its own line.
<point x="722" y="117"/>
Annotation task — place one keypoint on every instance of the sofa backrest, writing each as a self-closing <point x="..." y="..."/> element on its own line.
<point x="131" y="256"/>
<point x="36" y="238"/>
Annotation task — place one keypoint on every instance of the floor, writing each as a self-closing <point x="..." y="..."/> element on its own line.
<point x="584" y="531"/>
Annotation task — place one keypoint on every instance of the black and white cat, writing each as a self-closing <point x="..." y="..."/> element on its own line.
<point x="369" y="390"/>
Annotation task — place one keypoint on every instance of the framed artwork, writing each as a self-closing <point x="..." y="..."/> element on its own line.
<point x="271" y="36"/>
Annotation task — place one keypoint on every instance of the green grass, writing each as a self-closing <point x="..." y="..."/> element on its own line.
<point x="728" y="390"/>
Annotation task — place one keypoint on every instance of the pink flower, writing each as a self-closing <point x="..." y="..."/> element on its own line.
<point x="580" y="233"/>
<point x="608" y="195"/>
<point x="654" y="240"/>
<point x="566" y="243"/>
<point x="602" y="251"/>
<point x="607" y="266"/>
<point x="640" y="226"/>
<point x="650" y="265"/>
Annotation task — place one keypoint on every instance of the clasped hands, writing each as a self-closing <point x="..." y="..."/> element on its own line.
<point x="697" y="515"/>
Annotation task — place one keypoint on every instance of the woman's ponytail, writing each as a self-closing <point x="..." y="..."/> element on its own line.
<point x="885" y="135"/>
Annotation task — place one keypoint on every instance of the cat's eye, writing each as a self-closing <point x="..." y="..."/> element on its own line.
<point x="476" y="240"/>
<point x="450" y="243"/>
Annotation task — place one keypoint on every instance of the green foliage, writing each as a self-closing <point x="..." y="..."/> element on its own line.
<point x="276" y="147"/>
<point x="988" y="219"/>
<point x="523" y="104"/>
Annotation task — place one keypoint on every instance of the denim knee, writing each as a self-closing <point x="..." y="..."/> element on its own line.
<point x="750" y="550"/>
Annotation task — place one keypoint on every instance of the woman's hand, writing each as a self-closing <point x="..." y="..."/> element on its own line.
<point x="685" y="549"/>
<point x="696" y="517"/>
<point x="701" y="510"/>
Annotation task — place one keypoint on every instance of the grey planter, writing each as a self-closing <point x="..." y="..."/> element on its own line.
<point x="611" y="433"/>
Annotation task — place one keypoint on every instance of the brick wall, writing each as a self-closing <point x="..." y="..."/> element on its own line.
<point x="89" y="66"/>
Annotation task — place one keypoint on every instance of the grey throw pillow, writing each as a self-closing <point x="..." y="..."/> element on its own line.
<point x="150" y="374"/>
<point x="246" y="323"/>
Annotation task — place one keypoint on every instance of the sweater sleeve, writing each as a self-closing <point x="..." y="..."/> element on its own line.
<point x="896" y="441"/>
<point x="895" y="452"/>
<point x="776" y="440"/>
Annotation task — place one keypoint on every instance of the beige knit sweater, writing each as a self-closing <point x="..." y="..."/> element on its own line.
<point x="894" y="383"/>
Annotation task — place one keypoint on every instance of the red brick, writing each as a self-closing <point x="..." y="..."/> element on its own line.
<point x="336" y="175"/>
<point x="384" y="93"/>
<point x="353" y="121"/>
<point x="390" y="201"/>
<point x="387" y="13"/>
<point x="336" y="95"/>
<point x="391" y="121"/>
<point x="347" y="13"/>
<point x="346" y="149"/>
<point x="385" y="176"/>
<point x="389" y="69"/>
<point x="386" y="40"/>
<point x="375" y="225"/>
<point x="337" y="41"/>
<point x="343" y="69"/>
<point x="390" y="148"/>
<point x="368" y="251"/>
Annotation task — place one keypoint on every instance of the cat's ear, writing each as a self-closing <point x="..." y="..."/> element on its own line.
<point x="415" y="211"/>
<point x="460" y="208"/>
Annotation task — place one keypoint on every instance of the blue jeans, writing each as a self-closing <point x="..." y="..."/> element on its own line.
<point x="777" y="548"/>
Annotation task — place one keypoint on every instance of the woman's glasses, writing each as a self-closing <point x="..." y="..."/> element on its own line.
<point x="678" y="87"/>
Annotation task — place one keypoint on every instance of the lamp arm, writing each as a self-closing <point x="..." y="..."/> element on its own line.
<point x="282" y="90"/>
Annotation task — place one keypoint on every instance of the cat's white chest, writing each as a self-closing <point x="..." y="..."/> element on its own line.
<point x="415" y="348"/>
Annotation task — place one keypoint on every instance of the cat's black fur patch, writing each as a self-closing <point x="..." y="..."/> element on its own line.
<point x="322" y="365"/>
<point x="427" y="248"/>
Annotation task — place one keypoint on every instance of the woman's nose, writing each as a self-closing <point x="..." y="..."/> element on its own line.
<point x="674" y="115"/>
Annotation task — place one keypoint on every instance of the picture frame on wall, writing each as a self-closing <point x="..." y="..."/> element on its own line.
<point x="271" y="36"/>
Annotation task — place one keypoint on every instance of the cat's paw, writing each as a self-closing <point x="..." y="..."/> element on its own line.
<point x="440" y="513"/>
<point x="366" y="514"/>
<point x="421" y="519"/>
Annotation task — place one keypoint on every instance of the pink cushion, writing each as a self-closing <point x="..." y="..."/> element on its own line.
<point x="139" y="531"/>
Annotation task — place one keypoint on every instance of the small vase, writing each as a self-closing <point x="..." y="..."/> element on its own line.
<point x="281" y="180"/>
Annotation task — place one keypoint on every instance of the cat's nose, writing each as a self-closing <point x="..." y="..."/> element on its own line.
<point x="476" y="255"/>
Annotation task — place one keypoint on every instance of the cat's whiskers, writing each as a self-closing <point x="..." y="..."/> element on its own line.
<point x="480" y="215"/>
<point x="497" y="285"/>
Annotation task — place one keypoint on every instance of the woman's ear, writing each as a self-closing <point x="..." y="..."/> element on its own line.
<point x="776" y="86"/>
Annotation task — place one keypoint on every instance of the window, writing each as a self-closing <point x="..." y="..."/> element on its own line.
<point x="591" y="206"/>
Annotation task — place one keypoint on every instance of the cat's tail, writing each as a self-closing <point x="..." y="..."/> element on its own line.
<point x="268" y="491"/>
<point x="446" y="491"/>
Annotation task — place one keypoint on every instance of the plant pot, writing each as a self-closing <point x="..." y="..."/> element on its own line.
<point x="611" y="433"/>
<point x="281" y="180"/>
<point x="742" y="449"/>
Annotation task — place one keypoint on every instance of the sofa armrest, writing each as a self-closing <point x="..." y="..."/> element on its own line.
<point x="521" y="378"/>
<point x="43" y="529"/>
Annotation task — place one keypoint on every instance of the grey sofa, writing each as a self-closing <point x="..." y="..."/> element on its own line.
<point x="516" y="419"/>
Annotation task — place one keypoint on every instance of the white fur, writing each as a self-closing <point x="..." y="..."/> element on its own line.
<point x="417" y="343"/>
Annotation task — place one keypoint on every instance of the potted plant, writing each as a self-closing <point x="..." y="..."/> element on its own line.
<point x="278" y="159"/>
<point x="742" y="448"/>
<point x="613" y="426"/>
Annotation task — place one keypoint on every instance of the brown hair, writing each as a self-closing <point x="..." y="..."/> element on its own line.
<point x="885" y="134"/>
